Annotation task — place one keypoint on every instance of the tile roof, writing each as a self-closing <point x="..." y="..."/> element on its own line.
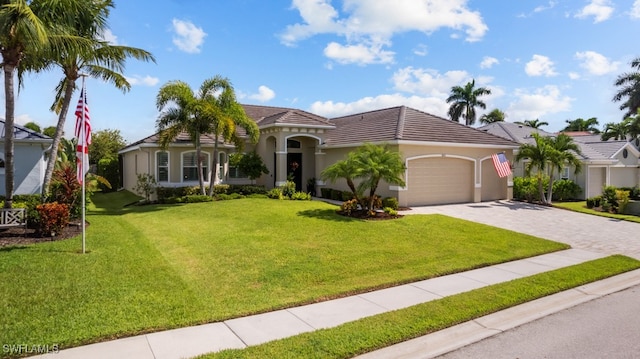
<point x="266" y="116"/>
<point x="23" y="133"/>
<point x="406" y="124"/>
<point x="513" y="131"/>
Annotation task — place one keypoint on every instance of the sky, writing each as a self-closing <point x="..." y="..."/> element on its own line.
<point x="547" y="60"/>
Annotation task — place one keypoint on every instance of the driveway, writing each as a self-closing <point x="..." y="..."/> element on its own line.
<point x="598" y="234"/>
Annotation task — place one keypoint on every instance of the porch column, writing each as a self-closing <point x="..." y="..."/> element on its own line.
<point x="320" y="156"/>
<point x="281" y="168"/>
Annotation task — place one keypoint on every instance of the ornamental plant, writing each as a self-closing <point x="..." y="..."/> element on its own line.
<point x="53" y="218"/>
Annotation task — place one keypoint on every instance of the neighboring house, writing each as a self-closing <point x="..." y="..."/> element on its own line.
<point x="604" y="163"/>
<point x="446" y="162"/>
<point x="30" y="160"/>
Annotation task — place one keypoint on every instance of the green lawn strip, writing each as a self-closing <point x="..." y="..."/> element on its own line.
<point x="582" y="208"/>
<point x="386" y="329"/>
<point x="152" y="268"/>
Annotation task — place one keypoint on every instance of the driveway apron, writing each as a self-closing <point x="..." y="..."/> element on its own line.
<point x="595" y="233"/>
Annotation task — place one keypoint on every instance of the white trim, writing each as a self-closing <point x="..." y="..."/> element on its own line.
<point x="157" y="169"/>
<point x="280" y="183"/>
<point x="397" y="188"/>
<point x="206" y="162"/>
<point x="303" y="135"/>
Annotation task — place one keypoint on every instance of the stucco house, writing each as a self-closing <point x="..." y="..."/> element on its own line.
<point x="30" y="159"/>
<point x="604" y="163"/>
<point x="446" y="162"/>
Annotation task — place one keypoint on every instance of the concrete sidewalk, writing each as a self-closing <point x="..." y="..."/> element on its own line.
<point x="253" y="330"/>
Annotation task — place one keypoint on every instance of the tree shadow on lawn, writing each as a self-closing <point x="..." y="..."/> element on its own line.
<point x="326" y="214"/>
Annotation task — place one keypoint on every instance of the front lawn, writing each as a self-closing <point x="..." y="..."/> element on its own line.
<point x="157" y="267"/>
<point x="581" y="206"/>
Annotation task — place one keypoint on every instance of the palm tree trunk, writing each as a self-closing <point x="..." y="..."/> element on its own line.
<point x="199" y="164"/>
<point x="541" y="187"/>
<point x="214" y="163"/>
<point x="53" y="155"/>
<point x="8" y="133"/>
<point x="550" y="190"/>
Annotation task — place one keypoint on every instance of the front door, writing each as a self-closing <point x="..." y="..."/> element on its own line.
<point x="294" y="169"/>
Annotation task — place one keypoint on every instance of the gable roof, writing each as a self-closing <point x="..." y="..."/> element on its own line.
<point x="513" y="131"/>
<point x="21" y="133"/>
<point x="266" y="116"/>
<point x="406" y="124"/>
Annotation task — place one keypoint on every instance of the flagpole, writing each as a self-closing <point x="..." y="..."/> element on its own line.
<point x="84" y="145"/>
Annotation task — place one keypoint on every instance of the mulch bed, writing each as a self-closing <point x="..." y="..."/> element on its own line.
<point x="21" y="236"/>
<point x="363" y="214"/>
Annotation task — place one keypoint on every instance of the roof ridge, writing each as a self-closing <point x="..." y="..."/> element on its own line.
<point x="401" y="122"/>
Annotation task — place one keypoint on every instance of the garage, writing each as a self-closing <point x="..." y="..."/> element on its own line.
<point x="596" y="181"/>
<point x="493" y="187"/>
<point x="624" y="176"/>
<point x="438" y="180"/>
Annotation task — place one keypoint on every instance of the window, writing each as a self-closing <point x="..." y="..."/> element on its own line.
<point x="565" y="173"/>
<point x="162" y="162"/>
<point x="293" y="144"/>
<point x="190" y="166"/>
<point x="625" y="153"/>
<point x="234" y="169"/>
<point x="221" y="162"/>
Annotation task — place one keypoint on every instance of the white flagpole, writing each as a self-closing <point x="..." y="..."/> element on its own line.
<point x="84" y="145"/>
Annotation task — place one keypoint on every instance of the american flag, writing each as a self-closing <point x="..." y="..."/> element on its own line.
<point x="83" y="134"/>
<point x="501" y="164"/>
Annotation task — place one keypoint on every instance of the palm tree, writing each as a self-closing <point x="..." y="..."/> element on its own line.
<point x="633" y="125"/>
<point x="343" y="169"/>
<point x="222" y="115"/>
<point x="580" y="124"/>
<point x="533" y="123"/>
<point x="496" y="115"/>
<point x="465" y="100"/>
<point x="629" y="91"/>
<point x="100" y="60"/>
<point x="21" y="34"/>
<point x="617" y="131"/>
<point x="375" y="163"/>
<point x="538" y="156"/>
<point x="564" y="153"/>
<point x="179" y="107"/>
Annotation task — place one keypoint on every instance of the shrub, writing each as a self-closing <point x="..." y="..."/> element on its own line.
<point x="390" y="202"/>
<point x="220" y="189"/>
<point x="29" y="202"/>
<point x="53" y="218"/>
<point x="377" y="202"/>
<point x="196" y="198"/>
<point x="346" y="195"/>
<point x="609" y="197"/>
<point x="526" y="188"/>
<point x="257" y="195"/>
<point x="145" y="185"/>
<point x="288" y="189"/>
<point x="275" y="193"/>
<point x="336" y="195"/>
<point x="247" y="189"/>
<point x="597" y="201"/>
<point x="622" y="197"/>
<point x="226" y="197"/>
<point x="390" y="211"/>
<point x="66" y="189"/>
<point x="325" y="192"/>
<point x="301" y="196"/>
<point x="347" y="207"/>
<point x="565" y="189"/>
<point x="590" y="203"/>
<point x="109" y="168"/>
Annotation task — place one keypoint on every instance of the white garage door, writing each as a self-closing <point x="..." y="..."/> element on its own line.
<point x="439" y="180"/>
<point x="624" y="177"/>
<point x="596" y="181"/>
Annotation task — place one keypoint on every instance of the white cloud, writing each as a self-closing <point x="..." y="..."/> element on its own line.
<point x="188" y="37"/>
<point x="540" y="66"/>
<point x="109" y="37"/>
<point x="22" y="119"/>
<point x="549" y="6"/>
<point x="423" y="50"/>
<point x="371" y="25"/>
<point x="531" y="105"/>
<point x="574" y="75"/>
<point x="601" y="10"/>
<point x="143" y="81"/>
<point x="264" y="94"/>
<point x="488" y="62"/>
<point x="433" y="105"/>
<point x="427" y="81"/>
<point x="635" y="10"/>
<point x="360" y="54"/>
<point x="595" y="63"/>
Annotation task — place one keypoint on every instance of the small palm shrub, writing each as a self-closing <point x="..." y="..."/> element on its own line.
<point x="275" y="193"/>
<point x="301" y="196"/>
<point x="390" y="202"/>
<point x="390" y="211"/>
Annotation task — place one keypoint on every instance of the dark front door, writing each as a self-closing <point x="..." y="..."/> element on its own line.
<point x="294" y="169"/>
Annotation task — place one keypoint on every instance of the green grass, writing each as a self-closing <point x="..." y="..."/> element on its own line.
<point x="386" y="329"/>
<point x="158" y="267"/>
<point x="581" y="207"/>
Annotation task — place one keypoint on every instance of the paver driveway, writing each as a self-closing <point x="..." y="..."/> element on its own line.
<point x="579" y="230"/>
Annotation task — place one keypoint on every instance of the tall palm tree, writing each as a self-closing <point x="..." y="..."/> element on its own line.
<point x="633" y="125"/>
<point x="343" y="169"/>
<point x="179" y="107"/>
<point x="617" y="131"/>
<point x="100" y="60"/>
<point x="464" y="101"/>
<point x="223" y="115"/>
<point x="629" y="92"/>
<point x="580" y="124"/>
<point x="564" y="153"/>
<point x="21" y="33"/>
<point x="538" y="155"/>
<point x="496" y="115"/>
<point x="533" y="123"/>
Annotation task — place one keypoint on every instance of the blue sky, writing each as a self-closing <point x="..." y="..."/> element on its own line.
<point x="550" y="60"/>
